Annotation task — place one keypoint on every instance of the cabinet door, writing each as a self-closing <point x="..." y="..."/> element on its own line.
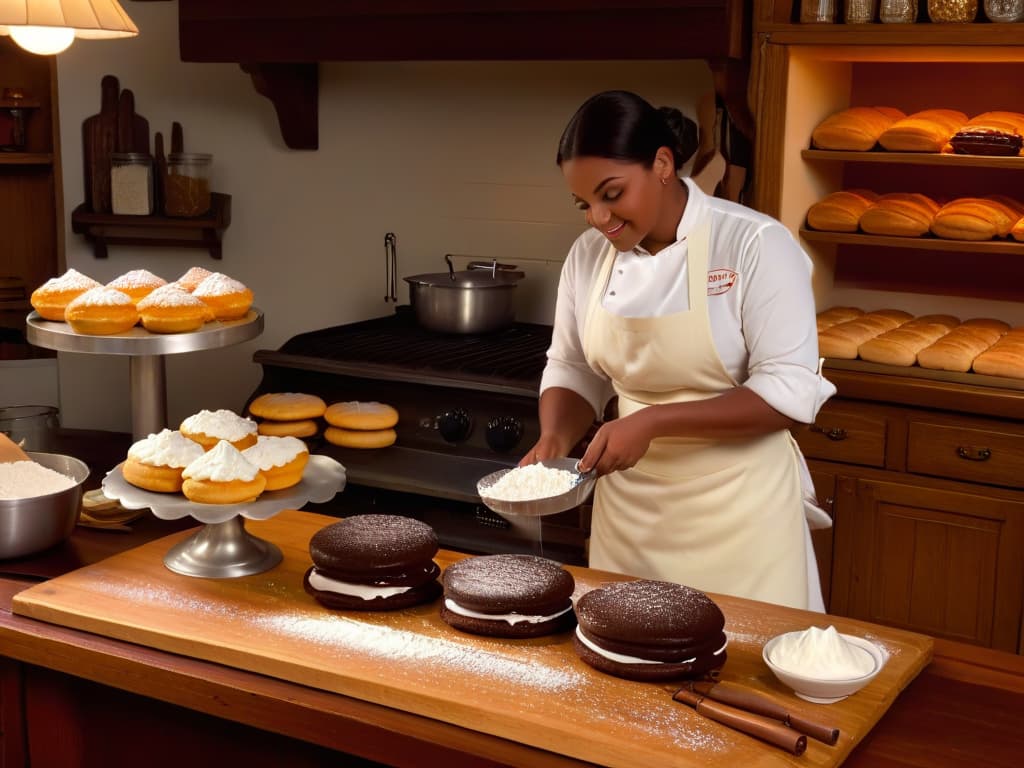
<point x="929" y="560"/>
<point x="825" y="490"/>
<point x="12" y="721"/>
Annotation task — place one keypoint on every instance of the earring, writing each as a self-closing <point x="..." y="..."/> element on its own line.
<point x="664" y="181"/>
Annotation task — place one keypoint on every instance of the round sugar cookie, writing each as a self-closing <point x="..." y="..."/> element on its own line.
<point x="303" y="428"/>
<point x="287" y="406"/>
<point x="356" y="438"/>
<point x="357" y="414"/>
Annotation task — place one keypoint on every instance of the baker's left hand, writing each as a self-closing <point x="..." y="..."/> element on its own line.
<point x="618" y="444"/>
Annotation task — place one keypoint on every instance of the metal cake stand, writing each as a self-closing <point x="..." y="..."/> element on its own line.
<point x="148" y="379"/>
<point x="222" y="548"/>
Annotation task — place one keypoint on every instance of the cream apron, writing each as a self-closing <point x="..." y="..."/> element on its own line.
<point x="719" y="515"/>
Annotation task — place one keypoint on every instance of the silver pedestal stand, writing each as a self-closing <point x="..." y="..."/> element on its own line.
<point x="222" y="548"/>
<point x="147" y="376"/>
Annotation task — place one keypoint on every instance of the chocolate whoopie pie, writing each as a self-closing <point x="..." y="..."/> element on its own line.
<point x="373" y="563"/>
<point x="650" y="630"/>
<point x="508" y="596"/>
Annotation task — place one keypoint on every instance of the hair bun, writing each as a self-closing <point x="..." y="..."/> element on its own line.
<point x="685" y="131"/>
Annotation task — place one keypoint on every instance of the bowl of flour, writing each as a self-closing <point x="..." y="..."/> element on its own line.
<point x="534" y="490"/>
<point x="40" y="500"/>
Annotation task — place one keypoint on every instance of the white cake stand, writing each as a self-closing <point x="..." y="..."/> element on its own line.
<point x="222" y="548"/>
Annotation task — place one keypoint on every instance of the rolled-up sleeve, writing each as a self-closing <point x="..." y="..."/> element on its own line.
<point x="779" y="326"/>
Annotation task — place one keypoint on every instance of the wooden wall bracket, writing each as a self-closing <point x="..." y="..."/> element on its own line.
<point x="293" y="89"/>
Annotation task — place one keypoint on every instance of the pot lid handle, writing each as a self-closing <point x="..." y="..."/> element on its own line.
<point x="451" y="267"/>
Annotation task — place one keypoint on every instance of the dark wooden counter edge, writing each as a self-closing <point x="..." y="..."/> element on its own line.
<point x="353" y="726"/>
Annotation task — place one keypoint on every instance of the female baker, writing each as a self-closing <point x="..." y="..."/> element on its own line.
<point x="697" y="313"/>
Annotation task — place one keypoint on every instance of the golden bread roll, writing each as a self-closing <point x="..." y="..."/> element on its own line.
<point x="949" y="321"/>
<point x="281" y="460"/>
<point x="987" y="323"/>
<point x="833" y="315"/>
<point x="52" y="297"/>
<point x="901" y="345"/>
<point x="843" y="340"/>
<point x="1004" y="358"/>
<point x="902" y="214"/>
<point x="855" y="129"/>
<point x="101" y="311"/>
<point x="138" y="283"/>
<point x="287" y="406"/>
<point x="227" y="298"/>
<point x="957" y="349"/>
<point x="360" y="438"/>
<point x="156" y="462"/>
<point x="926" y="131"/>
<point x="208" y="428"/>
<point x="169" y="309"/>
<point x="303" y="428"/>
<point x="840" y="211"/>
<point x="973" y="218"/>
<point x="357" y="414"/>
<point x="222" y="475"/>
<point x="1017" y="230"/>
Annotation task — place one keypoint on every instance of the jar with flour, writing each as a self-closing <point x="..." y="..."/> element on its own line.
<point x="131" y="183"/>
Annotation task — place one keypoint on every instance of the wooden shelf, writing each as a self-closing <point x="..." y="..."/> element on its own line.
<point x="915" y="158"/>
<point x="919" y="35"/>
<point x="106" y="229"/>
<point x="20" y="104"/>
<point x="918" y="243"/>
<point x="26" y="158"/>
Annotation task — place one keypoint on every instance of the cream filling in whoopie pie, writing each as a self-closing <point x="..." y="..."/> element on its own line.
<point x="622" y="658"/>
<point x="511" y="618"/>
<point x="365" y="591"/>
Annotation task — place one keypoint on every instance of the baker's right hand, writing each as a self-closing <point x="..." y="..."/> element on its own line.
<point x="547" y="447"/>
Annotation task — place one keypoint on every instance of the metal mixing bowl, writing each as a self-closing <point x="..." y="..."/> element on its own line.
<point x="548" y="505"/>
<point x="39" y="522"/>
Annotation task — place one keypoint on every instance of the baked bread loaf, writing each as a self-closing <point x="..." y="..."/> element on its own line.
<point x="974" y="218"/>
<point x="957" y="349"/>
<point x="373" y="563"/>
<point x="901" y="345"/>
<point x="903" y="214"/>
<point x="1004" y="358"/>
<point x="840" y="211"/>
<point x="926" y="131"/>
<point x="833" y="315"/>
<point x="855" y="129"/>
<point x="1017" y="230"/>
<point x="843" y="340"/>
<point x="949" y="321"/>
<point x="52" y="297"/>
<point x="990" y="133"/>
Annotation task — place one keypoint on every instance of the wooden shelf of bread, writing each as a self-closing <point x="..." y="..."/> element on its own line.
<point x="925" y="242"/>
<point x="914" y="158"/>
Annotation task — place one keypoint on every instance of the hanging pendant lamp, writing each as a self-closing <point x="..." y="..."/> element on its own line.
<point x="47" y="27"/>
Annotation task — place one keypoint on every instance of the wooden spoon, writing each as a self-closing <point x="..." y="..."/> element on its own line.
<point x="10" y="450"/>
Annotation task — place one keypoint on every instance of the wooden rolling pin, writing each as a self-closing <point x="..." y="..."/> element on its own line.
<point x="10" y="450"/>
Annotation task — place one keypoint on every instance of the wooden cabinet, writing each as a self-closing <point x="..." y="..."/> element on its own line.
<point x="31" y="233"/>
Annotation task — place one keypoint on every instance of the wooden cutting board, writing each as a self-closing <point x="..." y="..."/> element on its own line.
<point x="536" y="691"/>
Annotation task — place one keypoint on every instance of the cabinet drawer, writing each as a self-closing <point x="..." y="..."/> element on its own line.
<point x="979" y="455"/>
<point x="844" y="435"/>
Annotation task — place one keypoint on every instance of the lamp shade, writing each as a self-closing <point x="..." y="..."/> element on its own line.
<point x="49" y="26"/>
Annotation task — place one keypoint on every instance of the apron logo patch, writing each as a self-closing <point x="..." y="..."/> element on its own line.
<point x="720" y="281"/>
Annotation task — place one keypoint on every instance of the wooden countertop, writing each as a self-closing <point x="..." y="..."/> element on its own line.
<point x="964" y="707"/>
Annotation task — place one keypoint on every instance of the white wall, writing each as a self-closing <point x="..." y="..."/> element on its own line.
<point x="451" y="157"/>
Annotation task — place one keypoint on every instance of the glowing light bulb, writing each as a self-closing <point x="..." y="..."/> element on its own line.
<point x="45" y="41"/>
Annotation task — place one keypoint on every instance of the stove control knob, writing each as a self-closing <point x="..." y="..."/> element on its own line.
<point x="503" y="433"/>
<point x="454" y="425"/>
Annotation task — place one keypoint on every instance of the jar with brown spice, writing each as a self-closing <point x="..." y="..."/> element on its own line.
<point x="187" y="184"/>
<point x="952" y="11"/>
<point x="859" y="11"/>
<point x="897" y="11"/>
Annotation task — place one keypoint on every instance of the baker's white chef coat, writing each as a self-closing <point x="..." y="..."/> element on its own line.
<point x="760" y="305"/>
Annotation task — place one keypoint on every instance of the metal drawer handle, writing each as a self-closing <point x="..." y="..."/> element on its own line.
<point x="832" y="433"/>
<point x="974" y="454"/>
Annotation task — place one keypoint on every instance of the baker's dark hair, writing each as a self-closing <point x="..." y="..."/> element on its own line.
<point x="620" y="125"/>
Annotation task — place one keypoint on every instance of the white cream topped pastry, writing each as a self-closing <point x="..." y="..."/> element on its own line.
<point x="221" y="464"/>
<point x="225" y="424"/>
<point x="822" y="654"/>
<point x="167" y="448"/>
<point x="270" y="452"/>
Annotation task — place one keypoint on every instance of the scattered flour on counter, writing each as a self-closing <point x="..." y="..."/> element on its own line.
<point x="534" y="481"/>
<point x="27" y="479"/>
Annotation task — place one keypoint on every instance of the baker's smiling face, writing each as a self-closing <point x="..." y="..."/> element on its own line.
<point x="621" y="199"/>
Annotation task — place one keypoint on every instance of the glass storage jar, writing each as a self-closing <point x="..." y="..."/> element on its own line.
<point x="860" y="11"/>
<point x="1004" y="10"/>
<point x="131" y="183"/>
<point x="817" y="11"/>
<point x="897" y="11"/>
<point x="952" y="11"/>
<point x="187" y="184"/>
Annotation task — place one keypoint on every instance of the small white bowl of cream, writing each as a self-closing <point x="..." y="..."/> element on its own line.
<point x="822" y="665"/>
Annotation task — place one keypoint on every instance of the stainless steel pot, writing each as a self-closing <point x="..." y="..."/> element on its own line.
<point x="478" y="299"/>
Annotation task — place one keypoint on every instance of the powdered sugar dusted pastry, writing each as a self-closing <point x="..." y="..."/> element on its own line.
<point x="209" y="427"/>
<point x="281" y="460"/>
<point x="508" y="596"/>
<point x="155" y="463"/>
<point x="228" y="298"/>
<point x="101" y="311"/>
<point x="169" y="309"/>
<point x="52" y="297"/>
<point x="222" y="475"/>
<point x="189" y="281"/>
<point x="137" y="283"/>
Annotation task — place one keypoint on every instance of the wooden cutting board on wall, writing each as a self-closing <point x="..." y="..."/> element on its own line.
<point x="117" y="128"/>
<point x="535" y="691"/>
